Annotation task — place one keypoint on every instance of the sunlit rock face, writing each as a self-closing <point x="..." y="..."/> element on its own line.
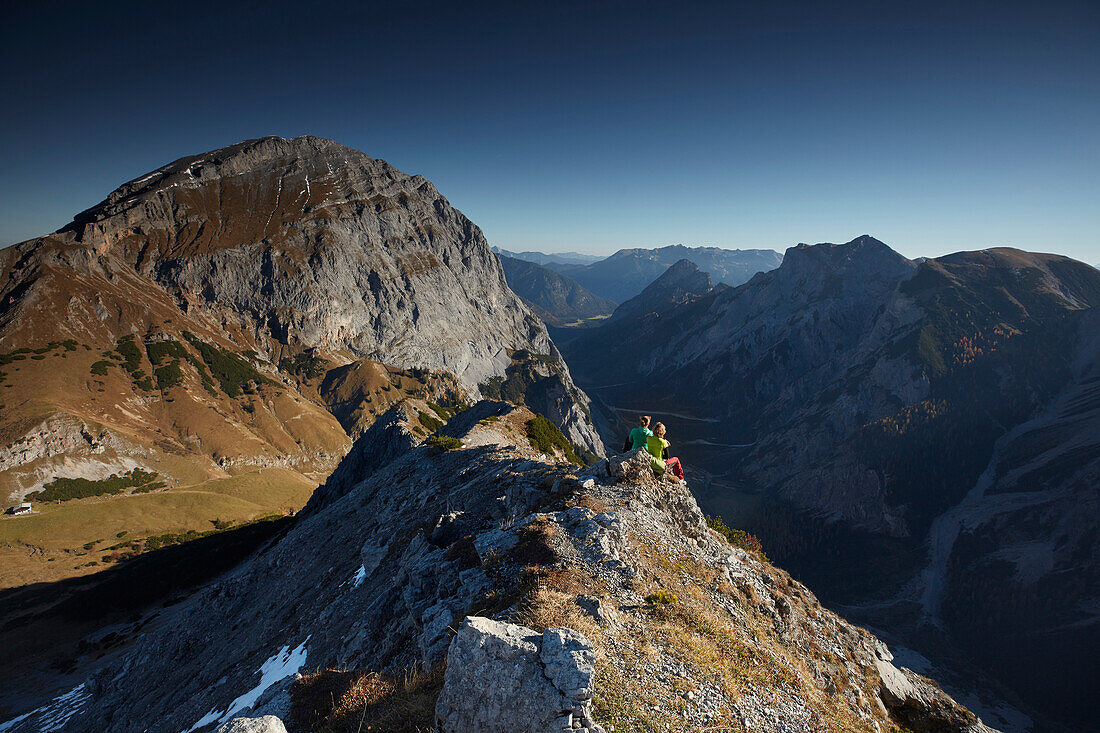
<point x="267" y="249"/>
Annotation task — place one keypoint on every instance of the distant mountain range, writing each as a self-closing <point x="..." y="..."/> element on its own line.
<point x="918" y="440"/>
<point x="555" y="298"/>
<point x="542" y="258"/>
<point x="626" y="273"/>
<point x="562" y="290"/>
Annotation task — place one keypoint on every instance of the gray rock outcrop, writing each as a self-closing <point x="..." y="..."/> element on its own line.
<point x="504" y="678"/>
<point x="265" y="724"/>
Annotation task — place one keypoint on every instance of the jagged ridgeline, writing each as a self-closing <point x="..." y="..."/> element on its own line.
<point x="244" y="312"/>
<point x="475" y="586"/>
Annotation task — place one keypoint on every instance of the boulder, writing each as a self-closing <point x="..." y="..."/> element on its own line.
<point x="920" y="705"/>
<point x="633" y="466"/>
<point x="266" y="724"/>
<point x="504" y="678"/>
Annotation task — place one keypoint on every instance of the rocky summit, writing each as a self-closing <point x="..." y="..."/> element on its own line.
<point x="476" y="582"/>
<point x="250" y="310"/>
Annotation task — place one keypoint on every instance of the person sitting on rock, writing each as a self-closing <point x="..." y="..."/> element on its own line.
<point x="638" y="436"/>
<point x="658" y="448"/>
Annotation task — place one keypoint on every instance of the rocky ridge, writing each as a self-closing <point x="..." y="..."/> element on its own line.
<point x="542" y="258"/>
<point x="612" y="578"/>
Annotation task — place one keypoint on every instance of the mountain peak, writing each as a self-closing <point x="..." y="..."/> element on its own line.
<point x="681" y="282"/>
<point x="864" y="254"/>
<point x="294" y="175"/>
<point x="684" y="274"/>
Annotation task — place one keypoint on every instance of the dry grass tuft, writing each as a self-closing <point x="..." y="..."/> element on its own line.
<point x="335" y="701"/>
<point x="590" y="502"/>
<point x="549" y="599"/>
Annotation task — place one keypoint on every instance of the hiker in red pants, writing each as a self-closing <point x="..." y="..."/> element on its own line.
<point x="658" y="448"/>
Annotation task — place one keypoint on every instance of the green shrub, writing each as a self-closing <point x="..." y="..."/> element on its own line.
<point x="491" y="388"/>
<point x="737" y="537"/>
<point x="661" y="599"/>
<point x="445" y="413"/>
<point x="545" y="436"/>
<point x="130" y="353"/>
<point x="168" y="375"/>
<point x="63" y="489"/>
<point x="100" y="367"/>
<point x="304" y="365"/>
<point x="443" y="442"/>
<point x="204" y="378"/>
<point x="588" y="457"/>
<point x="428" y="421"/>
<point x="158" y="351"/>
<point x="234" y="374"/>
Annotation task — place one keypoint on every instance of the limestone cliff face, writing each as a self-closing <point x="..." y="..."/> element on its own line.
<point x="314" y="241"/>
<point x="268" y="249"/>
<point x="605" y="582"/>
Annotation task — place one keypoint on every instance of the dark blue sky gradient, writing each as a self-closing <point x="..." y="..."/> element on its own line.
<point x="597" y="126"/>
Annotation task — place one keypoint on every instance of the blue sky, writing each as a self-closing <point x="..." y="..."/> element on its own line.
<point x="596" y="126"/>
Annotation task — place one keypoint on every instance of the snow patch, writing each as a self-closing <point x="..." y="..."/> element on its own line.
<point x="1033" y="560"/>
<point x="279" y="666"/>
<point x="54" y="715"/>
<point x="357" y="579"/>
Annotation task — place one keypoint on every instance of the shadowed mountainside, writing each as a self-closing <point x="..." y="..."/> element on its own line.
<point x="932" y="424"/>
<point x="554" y="298"/>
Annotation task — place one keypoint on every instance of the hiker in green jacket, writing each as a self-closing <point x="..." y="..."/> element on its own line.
<point x="658" y="449"/>
<point x="638" y="435"/>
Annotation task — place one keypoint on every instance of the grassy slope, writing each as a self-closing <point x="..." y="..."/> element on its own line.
<point x="48" y="546"/>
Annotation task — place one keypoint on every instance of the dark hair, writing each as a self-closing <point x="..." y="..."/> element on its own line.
<point x="644" y="419"/>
